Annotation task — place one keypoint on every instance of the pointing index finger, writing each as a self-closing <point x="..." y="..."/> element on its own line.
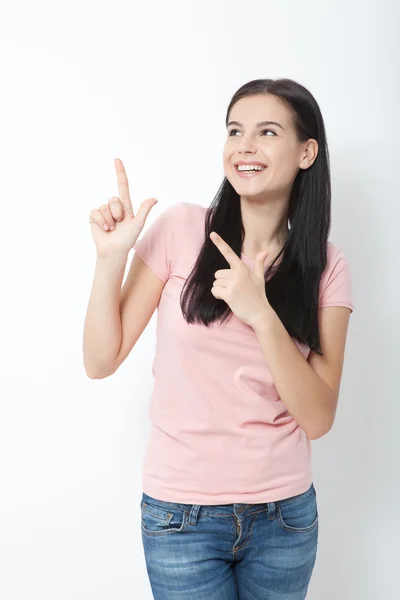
<point x="123" y="185"/>
<point x="226" y="251"/>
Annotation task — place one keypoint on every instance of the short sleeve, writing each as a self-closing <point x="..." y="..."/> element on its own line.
<point x="158" y="245"/>
<point x="336" y="282"/>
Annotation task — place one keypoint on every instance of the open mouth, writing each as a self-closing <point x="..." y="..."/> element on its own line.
<point x="250" y="172"/>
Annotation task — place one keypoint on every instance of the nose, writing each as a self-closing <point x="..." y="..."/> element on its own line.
<point x="246" y="145"/>
<point x="246" y="151"/>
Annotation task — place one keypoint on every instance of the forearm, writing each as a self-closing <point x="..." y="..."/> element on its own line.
<point x="102" y="328"/>
<point x="305" y="395"/>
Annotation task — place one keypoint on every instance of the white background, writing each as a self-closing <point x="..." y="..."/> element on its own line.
<point x="85" y="82"/>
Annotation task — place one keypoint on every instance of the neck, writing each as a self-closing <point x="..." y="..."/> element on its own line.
<point x="265" y="225"/>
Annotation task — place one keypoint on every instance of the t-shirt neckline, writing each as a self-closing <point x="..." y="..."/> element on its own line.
<point x="251" y="259"/>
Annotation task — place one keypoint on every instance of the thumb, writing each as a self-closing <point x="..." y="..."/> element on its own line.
<point x="145" y="208"/>
<point x="259" y="269"/>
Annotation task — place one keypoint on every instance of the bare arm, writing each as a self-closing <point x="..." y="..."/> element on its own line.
<point x="115" y="319"/>
<point x="102" y="329"/>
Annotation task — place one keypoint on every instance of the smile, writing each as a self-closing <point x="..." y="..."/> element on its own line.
<point x="247" y="173"/>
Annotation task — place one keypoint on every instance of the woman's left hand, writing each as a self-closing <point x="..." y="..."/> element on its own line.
<point x="242" y="289"/>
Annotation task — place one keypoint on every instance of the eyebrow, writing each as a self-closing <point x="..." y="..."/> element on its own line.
<point x="260" y="124"/>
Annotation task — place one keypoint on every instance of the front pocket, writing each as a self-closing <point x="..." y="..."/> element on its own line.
<point x="159" y="521"/>
<point x="300" y="514"/>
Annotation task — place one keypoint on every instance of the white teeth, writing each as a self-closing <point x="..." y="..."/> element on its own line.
<point x="250" y="168"/>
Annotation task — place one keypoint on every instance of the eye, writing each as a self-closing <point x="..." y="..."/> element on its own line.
<point x="263" y="131"/>
<point x="268" y="130"/>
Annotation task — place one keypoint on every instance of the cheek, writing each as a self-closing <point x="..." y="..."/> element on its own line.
<point x="227" y="152"/>
<point x="227" y="159"/>
<point x="282" y="159"/>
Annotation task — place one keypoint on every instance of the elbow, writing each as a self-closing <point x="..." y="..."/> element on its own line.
<point x="324" y="424"/>
<point x="319" y="432"/>
<point x="316" y="435"/>
<point x="98" y="373"/>
<point x="94" y="375"/>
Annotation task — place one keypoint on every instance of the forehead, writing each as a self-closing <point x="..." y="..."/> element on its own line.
<point x="260" y="107"/>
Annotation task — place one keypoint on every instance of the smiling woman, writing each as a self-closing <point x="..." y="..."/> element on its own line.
<point x="253" y="310"/>
<point x="278" y="125"/>
<point x="251" y="335"/>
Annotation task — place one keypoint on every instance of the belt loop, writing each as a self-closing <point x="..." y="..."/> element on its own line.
<point x="194" y="511"/>
<point x="271" y="510"/>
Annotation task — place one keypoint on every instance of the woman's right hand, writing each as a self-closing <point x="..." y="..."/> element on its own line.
<point x="122" y="226"/>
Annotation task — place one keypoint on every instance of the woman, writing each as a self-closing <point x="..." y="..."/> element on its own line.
<point x="251" y="333"/>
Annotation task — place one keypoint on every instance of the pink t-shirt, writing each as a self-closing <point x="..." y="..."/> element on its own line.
<point x="220" y="433"/>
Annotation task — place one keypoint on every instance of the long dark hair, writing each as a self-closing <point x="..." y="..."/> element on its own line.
<point x="292" y="286"/>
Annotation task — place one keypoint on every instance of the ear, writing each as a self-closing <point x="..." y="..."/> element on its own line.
<point x="311" y="153"/>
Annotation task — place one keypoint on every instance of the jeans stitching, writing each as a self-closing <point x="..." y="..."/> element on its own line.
<point x="296" y="529"/>
<point x="250" y="533"/>
<point x="165" y="522"/>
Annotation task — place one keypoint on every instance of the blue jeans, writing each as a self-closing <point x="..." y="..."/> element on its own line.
<point x="232" y="551"/>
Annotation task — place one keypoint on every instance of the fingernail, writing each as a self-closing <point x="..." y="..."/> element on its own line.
<point x="105" y="227"/>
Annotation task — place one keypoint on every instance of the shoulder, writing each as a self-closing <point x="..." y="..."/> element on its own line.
<point x="335" y="284"/>
<point x="193" y="220"/>
<point x="185" y="210"/>
<point x="335" y="255"/>
<point x="194" y="210"/>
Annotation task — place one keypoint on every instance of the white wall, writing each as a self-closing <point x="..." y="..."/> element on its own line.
<point x="85" y="82"/>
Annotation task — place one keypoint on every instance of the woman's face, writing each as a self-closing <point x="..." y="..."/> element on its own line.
<point x="273" y="145"/>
